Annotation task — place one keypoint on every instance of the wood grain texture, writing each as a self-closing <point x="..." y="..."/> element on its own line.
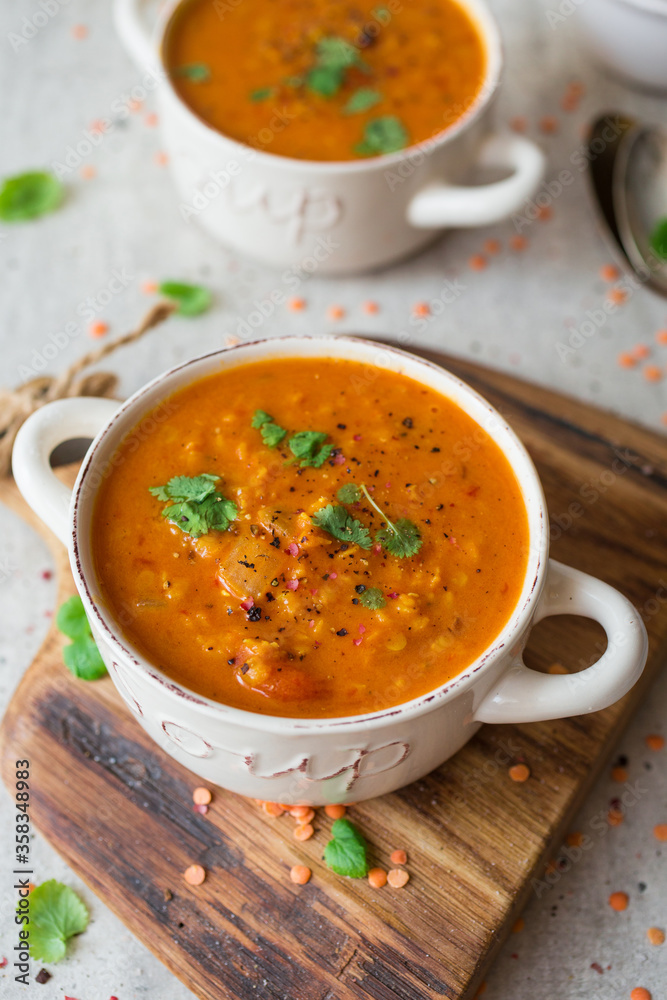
<point x="120" y="811"/>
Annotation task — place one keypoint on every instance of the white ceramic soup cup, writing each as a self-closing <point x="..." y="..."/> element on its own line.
<point x="315" y="761"/>
<point x="334" y="217"/>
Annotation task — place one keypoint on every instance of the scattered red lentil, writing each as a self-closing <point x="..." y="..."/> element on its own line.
<point x="307" y="817"/>
<point x="335" y="811"/>
<point x="79" y="31"/>
<point x="421" y="309"/>
<point x="296" y="304"/>
<point x="653" y="373"/>
<point x="574" y="839"/>
<point x="161" y="159"/>
<point x="377" y="877"/>
<point x="519" y="926"/>
<point x="272" y="809"/>
<point x="518" y="243"/>
<point x="609" y="273"/>
<point x="619" y="901"/>
<point x="660" y="831"/>
<point x="619" y="774"/>
<point x="149" y="287"/>
<point x="655" y="742"/>
<point x="300" y="874"/>
<point x="88" y="172"/>
<point x="518" y="124"/>
<point x="398" y="857"/>
<point x="151" y="119"/>
<point x="519" y="772"/>
<point x="655" y="935"/>
<point x="98" y="329"/>
<point x="477" y="262"/>
<point x="304" y="831"/>
<point x="641" y="351"/>
<point x="397" y="878"/>
<point x="194" y="875"/>
<point x="135" y="106"/>
<point x="371" y="308"/>
<point x="639" y="993"/>
<point x="544" y="213"/>
<point x="626" y="360"/>
<point x="202" y="796"/>
<point x="548" y="124"/>
<point x="558" y="668"/>
<point x="615" y="816"/>
<point x="492" y="247"/>
<point x="617" y="296"/>
<point x="335" y="312"/>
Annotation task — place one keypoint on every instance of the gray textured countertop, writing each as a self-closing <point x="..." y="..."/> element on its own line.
<point x="121" y="216"/>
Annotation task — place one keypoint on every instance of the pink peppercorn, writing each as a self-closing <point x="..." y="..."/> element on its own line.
<point x="200" y="808"/>
<point x="362" y="629"/>
<point x="247" y="604"/>
<point x="393" y="595"/>
<point x="356" y="642"/>
<point x="292" y="584"/>
<point x="292" y="549"/>
<point x="333" y="576"/>
<point x="339" y="459"/>
<point x="356" y="437"/>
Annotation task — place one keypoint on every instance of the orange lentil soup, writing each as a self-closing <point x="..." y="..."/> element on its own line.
<point x="326" y="81"/>
<point x="295" y="539"/>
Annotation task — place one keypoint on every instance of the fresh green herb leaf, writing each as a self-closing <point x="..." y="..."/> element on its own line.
<point x="334" y="56"/>
<point x="180" y="488"/>
<point x="362" y="100"/>
<point x="401" y="538"/>
<point x="198" y="507"/>
<point x="383" y="135"/>
<point x="81" y="657"/>
<point x="337" y="522"/>
<point x="373" y="598"/>
<point x="29" y="195"/>
<point x="261" y="94"/>
<point x="192" y="299"/>
<point x="272" y="433"/>
<point x="56" y="914"/>
<point x="659" y="239"/>
<point x="310" y="448"/>
<point x="197" y="72"/>
<point x="350" y="493"/>
<point x="71" y="619"/>
<point x="345" y="853"/>
<point x="294" y="81"/>
<point x="325" y="80"/>
<point x="381" y="14"/>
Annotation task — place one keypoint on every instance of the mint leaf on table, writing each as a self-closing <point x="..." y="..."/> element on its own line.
<point x="658" y="239"/>
<point x="198" y="507"/>
<point x="197" y="72"/>
<point x="81" y="657"/>
<point x="56" y="914"/>
<point x="345" y="853"/>
<point x="373" y="599"/>
<point x="383" y="135"/>
<point x="310" y="448"/>
<point x="337" y="522"/>
<point x="27" y="196"/>
<point x="362" y="100"/>
<point x="272" y="433"/>
<point x="192" y="299"/>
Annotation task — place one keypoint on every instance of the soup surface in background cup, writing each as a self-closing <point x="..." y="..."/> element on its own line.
<point x="342" y="758"/>
<point x="349" y="80"/>
<point x="344" y="180"/>
<point x="374" y="539"/>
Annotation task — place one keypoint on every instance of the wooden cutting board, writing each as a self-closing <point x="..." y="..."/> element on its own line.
<point x="121" y="814"/>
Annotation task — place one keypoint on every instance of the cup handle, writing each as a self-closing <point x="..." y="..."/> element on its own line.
<point x="440" y="205"/>
<point x="134" y="33"/>
<point x="524" y="695"/>
<point x="44" y="430"/>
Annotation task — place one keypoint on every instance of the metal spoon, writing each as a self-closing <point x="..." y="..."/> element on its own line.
<point x="604" y="138"/>
<point x="639" y="193"/>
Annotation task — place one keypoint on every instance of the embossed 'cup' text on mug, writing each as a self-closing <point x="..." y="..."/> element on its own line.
<point x="367" y="212"/>
<point x="316" y="761"/>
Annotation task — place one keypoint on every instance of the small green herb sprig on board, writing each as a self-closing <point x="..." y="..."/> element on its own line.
<point x="194" y="504"/>
<point x="345" y="853"/>
<point x="55" y="915"/>
<point x="82" y="657"/>
<point x="27" y="196"/>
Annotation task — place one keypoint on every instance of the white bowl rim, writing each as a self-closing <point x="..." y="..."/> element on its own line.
<point x="487" y="26"/>
<point x="512" y="630"/>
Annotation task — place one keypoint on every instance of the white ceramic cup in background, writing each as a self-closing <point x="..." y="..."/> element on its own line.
<point x="316" y="761"/>
<point x="346" y="216"/>
<point x="629" y="37"/>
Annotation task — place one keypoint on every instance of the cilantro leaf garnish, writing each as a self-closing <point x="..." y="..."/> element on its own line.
<point x="272" y="433"/>
<point x="345" y="853"/>
<point x="337" y="522"/>
<point x="81" y="657"/>
<point x="373" y="599"/>
<point x="198" y="507"/>
<point x="659" y="239"/>
<point x="197" y="72"/>
<point x="362" y="100"/>
<point x="56" y="914"/>
<point x="192" y="299"/>
<point x="310" y="448"/>
<point x="334" y="56"/>
<point x="261" y="94"/>
<point x="401" y="538"/>
<point x="29" y="195"/>
<point x="383" y="135"/>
